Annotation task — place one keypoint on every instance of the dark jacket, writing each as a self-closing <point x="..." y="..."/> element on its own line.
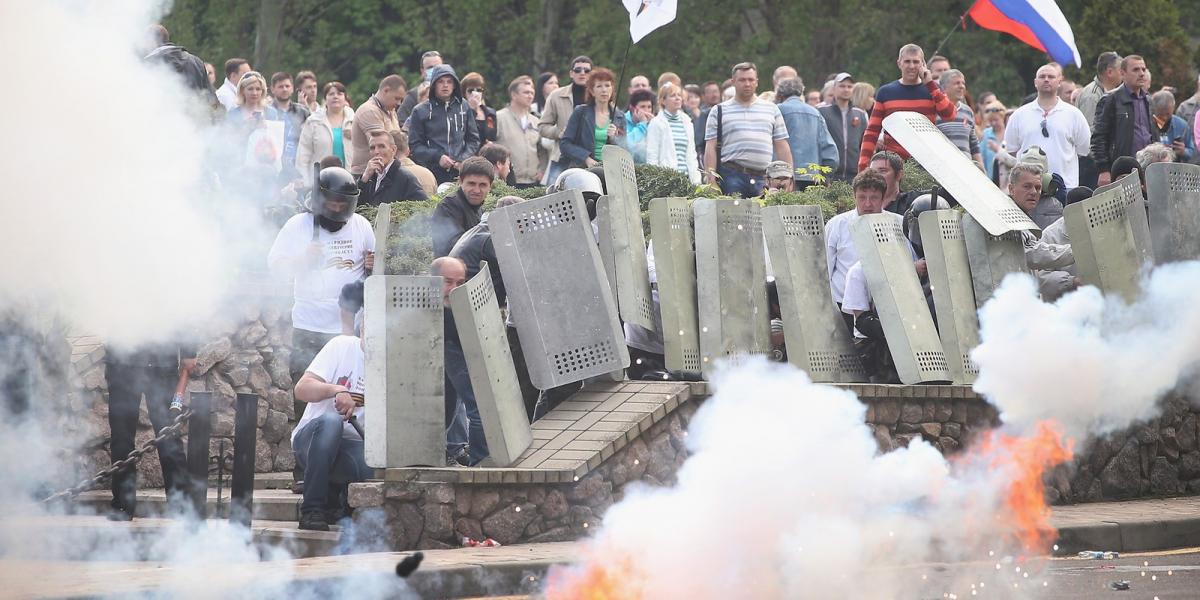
<point x="453" y="216"/>
<point x="189" y="67"/>
<point x="475" y="246"/>
<point x="854" y="129"/>
<point x="486" y="127"/>
<point x="1112" y="132"/>
<point x="398" y="184"/>
<point x="579" y="140"/>
<point x="438" y="128"/>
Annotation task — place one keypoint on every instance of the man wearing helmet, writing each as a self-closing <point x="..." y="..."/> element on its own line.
<point x="322" y="251"/>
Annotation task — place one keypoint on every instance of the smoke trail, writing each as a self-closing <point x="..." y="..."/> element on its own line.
<point x="1091" y="362"/>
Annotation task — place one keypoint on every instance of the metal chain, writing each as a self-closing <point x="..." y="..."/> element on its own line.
<point x="171" y="430"/>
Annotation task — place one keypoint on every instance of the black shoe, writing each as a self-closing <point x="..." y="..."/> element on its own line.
<point x="119" y="515"/>
<point x="314" y="520"/>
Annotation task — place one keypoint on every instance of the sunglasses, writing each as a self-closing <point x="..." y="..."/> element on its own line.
<point x="1045" y="132"/>
<point x="994" y="110"/>
<point x="581" y="70"/>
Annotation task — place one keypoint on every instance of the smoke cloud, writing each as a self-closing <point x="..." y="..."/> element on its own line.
<point x="1091" y="362"/>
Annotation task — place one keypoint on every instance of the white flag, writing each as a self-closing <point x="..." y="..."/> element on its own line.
<point x="647" y="15"/>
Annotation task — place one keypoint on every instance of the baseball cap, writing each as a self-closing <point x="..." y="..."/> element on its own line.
<point x="841" y="77"/>
<point x="778" y="168"/>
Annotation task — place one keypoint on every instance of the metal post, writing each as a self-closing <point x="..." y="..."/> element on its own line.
<point x="199" y="431"/>
<point x="245" y="433"/>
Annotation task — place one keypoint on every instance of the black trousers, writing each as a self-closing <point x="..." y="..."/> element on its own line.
<point x="126" y="384"/>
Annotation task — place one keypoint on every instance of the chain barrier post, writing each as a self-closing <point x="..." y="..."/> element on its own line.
<point x="245" y="433"/>
<point x="199" y="432"/>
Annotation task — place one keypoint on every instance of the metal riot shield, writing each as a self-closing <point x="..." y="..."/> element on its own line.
<point x="991" y="257"/>
<point x="1103" y="241"/>
<point x="675" y="267"/>
<point x="816" y="336"/>
<point x="953" y="290"/>
<point x="731" y="280"/>
<point x="557" y="292"/>
<point x="1174" y="191"/>
<point x="992" y="208"/>
<point x="1129" y="190"/>
<point x="896" y="292"/>
<point x="405" y="387"/>
<point x="490" y="364"/>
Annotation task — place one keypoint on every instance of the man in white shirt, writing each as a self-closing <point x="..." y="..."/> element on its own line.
<point x="840" y="253"/>
<point x="1059" y="128"/>
<point x="323" y="251"/>
<point x="327" y="444"/>
<point x="227" y="93"/>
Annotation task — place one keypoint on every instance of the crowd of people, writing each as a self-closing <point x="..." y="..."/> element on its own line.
<point x="440" y="136"/>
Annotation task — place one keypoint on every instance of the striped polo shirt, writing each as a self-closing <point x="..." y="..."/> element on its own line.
<point x="748" y="132"/>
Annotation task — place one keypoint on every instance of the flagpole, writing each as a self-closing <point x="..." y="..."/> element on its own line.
<point x="621" y="77"/>
<point x="962" y="21"/>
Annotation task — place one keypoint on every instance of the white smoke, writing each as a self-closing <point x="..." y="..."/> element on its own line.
<point x="785" y="490"/>
<point x="1092" y="362"/>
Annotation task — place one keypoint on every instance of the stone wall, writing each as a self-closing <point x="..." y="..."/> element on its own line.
<point x="248" y="353"/>
<point x="948" y="424"/>
<point x="1158" y="458"/>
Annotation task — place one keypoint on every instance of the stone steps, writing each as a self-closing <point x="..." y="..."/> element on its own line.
<point x="269" y="504"/>
<point x="84" y="534"/>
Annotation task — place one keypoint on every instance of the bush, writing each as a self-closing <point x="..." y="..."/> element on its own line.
<point x="836" y="197"/>
<point x="916" y="177"/>
<point x="654" y="181"/>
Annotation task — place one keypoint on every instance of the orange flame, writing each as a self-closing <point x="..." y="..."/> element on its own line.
<point x="1027" y="459"/>
<point x="593" y="579"/>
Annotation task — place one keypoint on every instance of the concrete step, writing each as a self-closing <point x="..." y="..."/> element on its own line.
<point x="269" y="504"/>
<point x="52" y="535"/>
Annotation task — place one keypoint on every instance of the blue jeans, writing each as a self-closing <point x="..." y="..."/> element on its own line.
<point x="737" y="183"/>
<point x="327" y="459"/>
<point x="458" y="391"/>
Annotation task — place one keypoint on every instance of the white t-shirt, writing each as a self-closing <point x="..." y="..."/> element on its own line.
<point x="341" y="361"/>
<point x="343" y="261"/>
<point x="858" y="295"/>
<point x="840" y="252"/>
<point x="1068" y="136"/>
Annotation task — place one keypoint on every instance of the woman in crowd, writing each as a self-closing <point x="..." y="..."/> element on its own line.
<point x="691" y="100"/>
<point x="863" y="96"/>
<point x="594" y="124"/>
<point x="980" y="103"/>
<point x="326" y="132"/>
<point x="253" y="104"/>
<point x="669" y="142"/>
<point x="473" y="88"/>
<point x="998" y="160"/>
<point x="546" y="82"/>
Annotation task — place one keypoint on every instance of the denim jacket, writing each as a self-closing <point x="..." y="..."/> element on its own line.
<point x="808" y="135"/>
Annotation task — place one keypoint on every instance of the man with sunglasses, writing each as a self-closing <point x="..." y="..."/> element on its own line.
<point x="1052" y="124"/>
<point x="559" y="106"/>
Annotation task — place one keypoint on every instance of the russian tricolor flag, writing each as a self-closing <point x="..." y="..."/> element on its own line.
<point x="1038" y="23"/>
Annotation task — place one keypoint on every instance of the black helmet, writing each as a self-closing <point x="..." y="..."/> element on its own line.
<point x="337" y="188"/>
<point x="931" y="201"/>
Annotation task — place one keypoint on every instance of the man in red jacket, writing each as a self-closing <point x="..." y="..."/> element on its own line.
<point x="915" y="91"/>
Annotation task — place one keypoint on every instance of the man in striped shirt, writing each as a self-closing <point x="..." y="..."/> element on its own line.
<point x="747" y="131"/>
<point x="915" y="91"/>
